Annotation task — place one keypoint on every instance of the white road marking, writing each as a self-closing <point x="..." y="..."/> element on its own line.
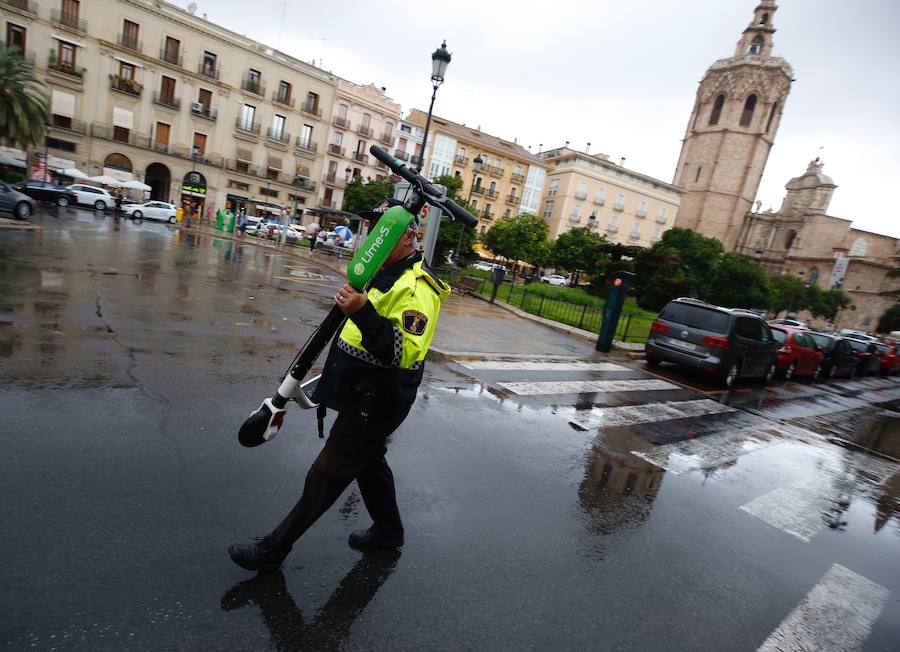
<point x="796" y="508"/>
<point x="584" y="386"/>
<point x="710" y="451"/>
<point x="512" y="365"/>
<point x="628" y="415"/>
<point x="837" y="614"/>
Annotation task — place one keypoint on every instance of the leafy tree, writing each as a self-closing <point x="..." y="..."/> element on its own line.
<point x="682" y="263"/>
<point x="894" y="272"/>
<point x="448" y="236"/>
<point x="578" y="249"/>
<point x="522" y="237"/>
<point x="24" y="107"/>
<point x="890" y="320"/>
<point x="361" y="195"/>
<point x="788" y="293"/>
<point x="737" y="283"/>
<point x="827" y="303"/>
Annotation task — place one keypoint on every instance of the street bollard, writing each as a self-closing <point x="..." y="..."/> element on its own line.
<point x="621" y="281"/>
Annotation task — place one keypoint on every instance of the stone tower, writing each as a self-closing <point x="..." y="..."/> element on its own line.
<point x="731" y="130"/>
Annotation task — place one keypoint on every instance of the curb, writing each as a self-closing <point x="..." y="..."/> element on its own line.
<point x="6" y="223"/>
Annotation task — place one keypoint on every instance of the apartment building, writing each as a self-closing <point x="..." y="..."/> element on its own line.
<point x="589" y="190"/>
<point x="363" y="116"/>
<point x="408" y="145"/>
<point x="500" y="178"/>
<point x="141" y="89"/>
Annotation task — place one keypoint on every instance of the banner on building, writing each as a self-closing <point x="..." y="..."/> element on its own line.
<point x="39" y="168"/>
<point x="838" y="272"/>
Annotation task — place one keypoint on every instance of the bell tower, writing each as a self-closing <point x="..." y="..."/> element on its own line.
<point x="731" y="131"/>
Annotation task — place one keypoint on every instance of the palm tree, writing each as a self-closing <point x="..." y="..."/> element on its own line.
<point x="24" y="107"/>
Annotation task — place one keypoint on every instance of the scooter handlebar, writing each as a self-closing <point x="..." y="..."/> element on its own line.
<point x="435" y="196"/>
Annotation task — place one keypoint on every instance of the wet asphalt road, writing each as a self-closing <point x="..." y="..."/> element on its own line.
<point x="541" y="512"/>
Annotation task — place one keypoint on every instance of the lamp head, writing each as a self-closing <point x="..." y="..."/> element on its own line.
<point x="440" y="59"/>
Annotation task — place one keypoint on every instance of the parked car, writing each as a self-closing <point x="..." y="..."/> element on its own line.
<point x="728" y="342"/>
<point x="857" y="335"/>
<point x="867" y="353"/>
<point x="151" y="210"/>
<point x="887" y="356"/>
<point x="793" y="323"/>
<point x="555" y="279"/>
<point x="799" y="354"/>
<point x="48" y="191"/>
<point x="12" y="201"/>
<point x="91" y="196"/>
<point x="486" y="267"/>
<point x="840" y="358"/>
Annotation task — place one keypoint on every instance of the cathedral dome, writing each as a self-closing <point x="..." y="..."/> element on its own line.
<point x="813" y="178"/>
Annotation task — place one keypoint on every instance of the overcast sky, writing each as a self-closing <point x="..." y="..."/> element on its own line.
<point x="620" y="75"/>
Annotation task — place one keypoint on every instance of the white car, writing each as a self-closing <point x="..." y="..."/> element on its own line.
<point x="92" y="196"/>
<point x="151" y="210"/>
<point x="555" y="279"/>
<point x="485" y="267"/>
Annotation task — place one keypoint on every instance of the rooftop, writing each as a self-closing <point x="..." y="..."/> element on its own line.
<point x="567" y="154"/>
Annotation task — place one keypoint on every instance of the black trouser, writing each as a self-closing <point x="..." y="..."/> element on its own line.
<point x="353" y="451"/>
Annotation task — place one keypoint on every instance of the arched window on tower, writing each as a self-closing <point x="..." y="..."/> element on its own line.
<point x="765" y="19"/>
<point x="749" y="108"/>
<point x="756" y="44"/>
<point x="772" y="116"/>
<point x="789" y="240"/>
<point x="716" y="112"/>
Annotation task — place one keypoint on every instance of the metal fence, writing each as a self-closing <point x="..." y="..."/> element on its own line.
<point x="631" y="328"/>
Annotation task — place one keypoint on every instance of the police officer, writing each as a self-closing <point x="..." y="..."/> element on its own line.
<point x="371" y="376"/>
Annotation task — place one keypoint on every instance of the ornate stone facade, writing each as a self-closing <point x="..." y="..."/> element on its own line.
<point x="803" y="240"/>
<point x="731" y="131"/>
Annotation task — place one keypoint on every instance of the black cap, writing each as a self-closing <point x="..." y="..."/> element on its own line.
<point x="378" y="210"/>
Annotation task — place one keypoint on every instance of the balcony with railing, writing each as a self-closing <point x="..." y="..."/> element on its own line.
<point x="125" y="85"/>
<point x="641" y="213"/>
<point x="599" y="201"/>
<point x="364" y="130"/>
<point x="67" y="124"/>
<point x="278" y="135"/>
<point x="612" y="228"/>
<point x="618" y="207"/>
<point x="513" y="199"/>
<point x="634" y="236"/>
<point x="341" y="121"/>
<point x="415" y="159"/>
<point x="253" y="86"/>
<point x="399" y="153"/>
<point x="72" y="72"/>
<point x="304" y="183"/>
<point x="311" y="109"/>
<point x="386" y="138"/>
<point x="335" y="181"/>
<point x="337" y="150"/>
<point x="486" y="214"/>
<point x="247" y="126"/>
<point x="203" y="111"/>
<point x="68" y="19"/>
<point x="518" y="178"/>
<point x="575" y="218"/>
<point x="580" y="195"/>
<point x="461" y="160"/>
<point x="307" y="145"/>
<point x="283" y="99"/>
<point x="361" y="157"/>
<point x="478" y="190"/>
<point x="242" y="167"/>
<point x="491" y="192"/>
<point x="660" y="219"/>
<point x="171" y="56"/>
<point x="129" y="42"/>
<point x="207" y="70"/>
<point x="497" y="171"/>
<point x="27" y="6"/>
<point x="325" y="203"/>
<point x="166" y="100"/>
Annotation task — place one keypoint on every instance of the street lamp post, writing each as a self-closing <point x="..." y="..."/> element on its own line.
<point x="440" y="59"/>
<point x="476" y="162"/>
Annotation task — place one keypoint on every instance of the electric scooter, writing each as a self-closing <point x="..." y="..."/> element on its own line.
<point x="265" y="422"/>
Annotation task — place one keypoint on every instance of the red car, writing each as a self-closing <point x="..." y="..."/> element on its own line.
<point x="799" y="355"/>
<point x="888" y="357"/>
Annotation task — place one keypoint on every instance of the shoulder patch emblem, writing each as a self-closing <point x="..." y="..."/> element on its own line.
<point x="414" y="322"/>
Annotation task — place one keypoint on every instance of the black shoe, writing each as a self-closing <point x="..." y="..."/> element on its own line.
<point x="256" y="556"/>
<point x="369" y="539"/>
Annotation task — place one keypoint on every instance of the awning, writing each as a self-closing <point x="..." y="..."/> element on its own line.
<point x="123" y="118"/>
<point x="274" y="163"/>
<point x="8" y="160"/>
<point x="62" y="104"/>
<point x="129" y="62"/>
<point x="117" y="174"/>
<point x="67" y="39"/>
<point x="245" y="156"/>
<point x="56" y="163"/>
<point x="75" y="173"/>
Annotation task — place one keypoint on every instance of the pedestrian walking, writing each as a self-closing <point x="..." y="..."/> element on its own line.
<point x="117" y="204"/>
<point x="242" y="225"/>
<point x="371" y="376"/>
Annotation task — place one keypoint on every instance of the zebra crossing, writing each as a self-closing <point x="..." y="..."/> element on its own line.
<point x="687" y="431"/>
